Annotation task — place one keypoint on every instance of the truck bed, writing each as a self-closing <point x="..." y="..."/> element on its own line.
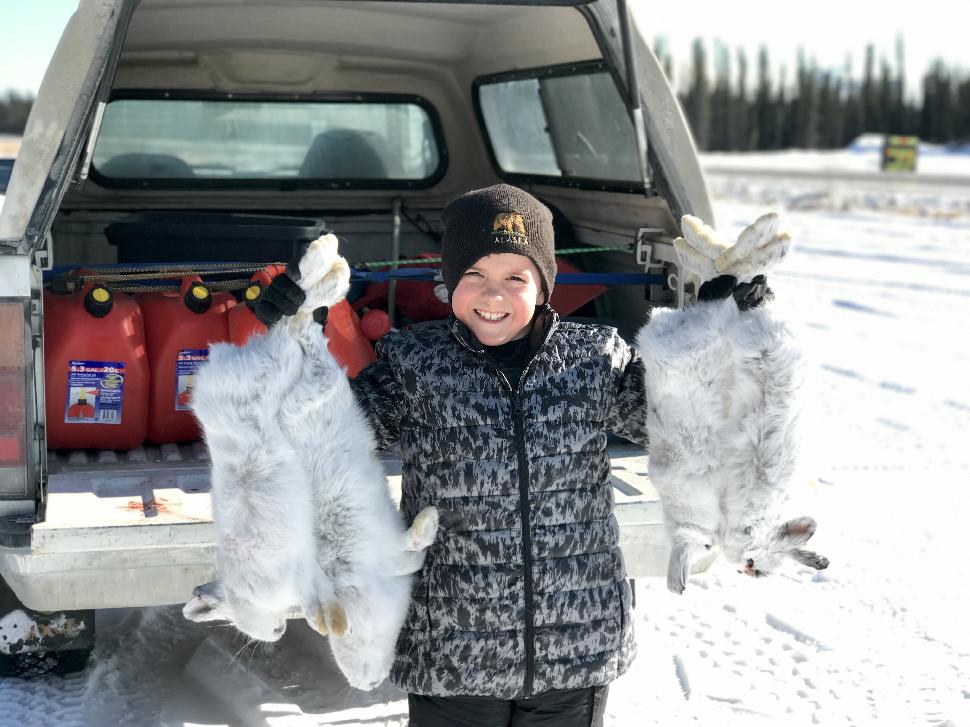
<point x="135" y="528"/>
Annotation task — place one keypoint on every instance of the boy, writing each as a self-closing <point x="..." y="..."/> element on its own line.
<point x="521" y="613"/>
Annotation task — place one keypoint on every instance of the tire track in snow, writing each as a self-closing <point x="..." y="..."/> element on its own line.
<point x="799" y="635"/>
<point x="681" y="672"/>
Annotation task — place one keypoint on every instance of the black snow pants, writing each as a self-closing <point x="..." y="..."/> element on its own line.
<point x="557" y="708"/>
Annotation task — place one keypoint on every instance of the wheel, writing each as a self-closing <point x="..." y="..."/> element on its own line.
<point x="34" y="643"/>
<point x="39" y="663"/>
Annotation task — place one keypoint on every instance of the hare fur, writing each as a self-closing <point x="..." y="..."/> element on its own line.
<point x="721" y="396"/>
<point x="300" y="502"/>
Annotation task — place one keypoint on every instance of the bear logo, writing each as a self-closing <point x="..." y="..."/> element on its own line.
<point x="510" y="224"/>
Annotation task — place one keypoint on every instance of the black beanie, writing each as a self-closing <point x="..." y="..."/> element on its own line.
<point x="497" y="219"/>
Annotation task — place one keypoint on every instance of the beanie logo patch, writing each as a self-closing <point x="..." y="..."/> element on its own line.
<point x="510" y="224"/>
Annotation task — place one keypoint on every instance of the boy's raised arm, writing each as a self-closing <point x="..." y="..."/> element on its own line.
<point x="627" y="416"/>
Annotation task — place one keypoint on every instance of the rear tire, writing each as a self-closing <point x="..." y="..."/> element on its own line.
<point x="57" y="651"/>
<point x="40" y="663"/>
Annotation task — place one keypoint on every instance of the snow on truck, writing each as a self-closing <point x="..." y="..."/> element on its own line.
<point x="216" y="135"/>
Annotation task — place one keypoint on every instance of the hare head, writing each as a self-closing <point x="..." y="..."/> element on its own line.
<point x="760" y="551"/>
<point x="324" y="274"/>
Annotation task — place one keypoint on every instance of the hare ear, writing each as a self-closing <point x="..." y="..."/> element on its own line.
<point x="678" y="568"/>
<point x="809" y="558"/>
<point x="796" y="532"/>
<point x="207" y="604"/>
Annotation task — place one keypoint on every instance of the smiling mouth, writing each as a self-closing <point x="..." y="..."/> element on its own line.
<point x="490" y="317"/>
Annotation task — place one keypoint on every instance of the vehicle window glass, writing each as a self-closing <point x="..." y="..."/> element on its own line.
<point x="569" y="126"/>
<point x="6" y="169"/>
<point x="171" y="139"/>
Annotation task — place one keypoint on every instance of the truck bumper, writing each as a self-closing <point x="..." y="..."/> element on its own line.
<point x="125" y="547"/>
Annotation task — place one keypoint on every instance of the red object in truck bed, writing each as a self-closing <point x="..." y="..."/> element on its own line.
<point x="76" y="345"/>
<point x="177" y="339"/>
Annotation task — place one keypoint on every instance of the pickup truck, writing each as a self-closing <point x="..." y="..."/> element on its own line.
<point x="368" y="115"/>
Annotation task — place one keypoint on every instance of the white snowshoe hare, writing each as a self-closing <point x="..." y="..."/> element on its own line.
<point x="302" y="512"/>
<point x="721" y="396"/>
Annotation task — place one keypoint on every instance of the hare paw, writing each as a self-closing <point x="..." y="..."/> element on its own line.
<point x="423" y="530"/>
<point x="324" y="274"/>
<point x="329" y="619"/>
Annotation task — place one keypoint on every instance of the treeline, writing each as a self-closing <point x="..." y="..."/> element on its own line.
<point x="14" y="110"/>
<point x="736" y="110"/>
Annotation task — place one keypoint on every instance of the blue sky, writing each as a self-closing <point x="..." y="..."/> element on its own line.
<point x="29" y="31"/>
<point x="829" y="30"/>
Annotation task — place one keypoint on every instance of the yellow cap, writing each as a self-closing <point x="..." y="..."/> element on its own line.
<point x="200" y="292"/>
<point x="252" y="292"/>
<point x="101" y="295"/>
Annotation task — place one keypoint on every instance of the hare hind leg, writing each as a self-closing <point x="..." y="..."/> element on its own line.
<point x="320" y="606"/>
<point x="328" y="619"/>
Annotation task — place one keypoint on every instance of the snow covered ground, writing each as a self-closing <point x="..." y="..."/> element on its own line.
<point x="879" y="289"/>
<point x="880" y="637"/>
<point x="862" y="155"/>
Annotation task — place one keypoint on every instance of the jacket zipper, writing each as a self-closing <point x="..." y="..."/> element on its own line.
<point x="525" y="508"/>
<point x="524" y="514"/>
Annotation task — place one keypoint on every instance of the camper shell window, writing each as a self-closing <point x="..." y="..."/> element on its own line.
<point x="565" y="125"/>
<point x="185" y="141"/>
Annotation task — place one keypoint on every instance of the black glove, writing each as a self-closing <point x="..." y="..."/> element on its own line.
<point x="747" y="295"/>
<point x="283" y="297"/>
<point x="751" y="295"/>
<point x="280" y="298"/>
<point x="717" y="288"/>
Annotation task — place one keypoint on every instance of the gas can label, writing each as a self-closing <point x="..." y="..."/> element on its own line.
<point x="189" y="361"/>
<point x="95" y="390"/>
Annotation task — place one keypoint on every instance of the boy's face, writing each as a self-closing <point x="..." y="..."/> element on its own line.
<point x="497" y="296"/>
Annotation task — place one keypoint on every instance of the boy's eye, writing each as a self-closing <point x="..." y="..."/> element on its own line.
<point x="468" y="273"/>
<point x="517" y="278"/>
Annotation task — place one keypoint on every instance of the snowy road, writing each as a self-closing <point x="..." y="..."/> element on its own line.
<point x="900" y="181"/>
<point x="879" y="287"/>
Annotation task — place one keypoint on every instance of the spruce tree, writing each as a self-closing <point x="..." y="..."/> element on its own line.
<point x="698" y="100"/>
<point x="764" y="117"/>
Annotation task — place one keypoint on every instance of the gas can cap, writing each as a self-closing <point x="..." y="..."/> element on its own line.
<point x="98" y="301"/>
<point x="252" y="293"/>
<point x="198" y="299"/>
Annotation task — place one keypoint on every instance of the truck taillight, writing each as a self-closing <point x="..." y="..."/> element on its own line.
<point x="13" y="400"/>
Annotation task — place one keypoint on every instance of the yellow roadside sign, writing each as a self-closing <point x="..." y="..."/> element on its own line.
<point x="899" y="153"/>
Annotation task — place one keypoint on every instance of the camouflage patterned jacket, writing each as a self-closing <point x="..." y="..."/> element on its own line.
<point x="524" y="589"/>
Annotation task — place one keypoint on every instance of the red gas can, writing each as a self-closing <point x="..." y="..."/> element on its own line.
<point x="96" y="370"/>
<point x="178" y="330"/>
<point x="346" y="341"/>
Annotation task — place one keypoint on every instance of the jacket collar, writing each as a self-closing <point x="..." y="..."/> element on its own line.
<point x="543" y="324"/>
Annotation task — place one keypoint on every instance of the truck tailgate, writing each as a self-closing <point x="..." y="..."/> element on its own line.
<point x="135" y="528"/>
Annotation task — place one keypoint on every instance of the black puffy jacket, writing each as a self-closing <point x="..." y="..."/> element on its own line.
<point x="524" y="589"/>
